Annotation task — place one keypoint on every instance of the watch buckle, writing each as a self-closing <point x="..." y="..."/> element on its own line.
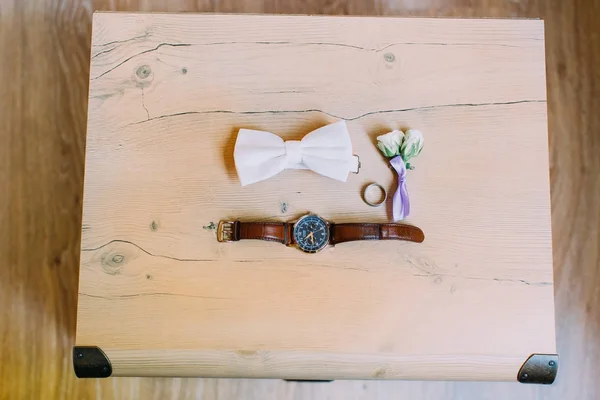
<point x="225" y="231"/>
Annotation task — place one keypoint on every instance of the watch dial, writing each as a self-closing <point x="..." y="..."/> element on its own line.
<point x="311" y="233"/>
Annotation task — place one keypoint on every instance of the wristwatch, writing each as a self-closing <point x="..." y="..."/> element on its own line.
<point x="312" y="233"/>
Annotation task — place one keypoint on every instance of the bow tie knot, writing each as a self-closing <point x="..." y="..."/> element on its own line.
<point x="259" y="155"/>
<point x="293" y="153"/>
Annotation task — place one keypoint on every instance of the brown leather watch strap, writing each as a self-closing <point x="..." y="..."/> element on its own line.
<point x="272" y="231"/>
<point x="340" y="233"/>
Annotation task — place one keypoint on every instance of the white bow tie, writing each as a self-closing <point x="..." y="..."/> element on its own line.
<point x="327" y="151"/>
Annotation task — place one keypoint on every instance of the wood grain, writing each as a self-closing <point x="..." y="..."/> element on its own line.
<point x="45" y="49"/>
<point x="168" y="94"/>
<point x="294" y="364"/>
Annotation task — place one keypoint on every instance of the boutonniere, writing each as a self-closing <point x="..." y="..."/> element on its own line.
<point x="400" y="147"/>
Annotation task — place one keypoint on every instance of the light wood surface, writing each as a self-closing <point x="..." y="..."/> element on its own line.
<point x="295" y="364"/>
<point x="45" y="56"/>
<point x="168" y="93"/>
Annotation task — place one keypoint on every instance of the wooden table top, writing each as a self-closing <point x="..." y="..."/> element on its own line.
<point x="168" y="92"/>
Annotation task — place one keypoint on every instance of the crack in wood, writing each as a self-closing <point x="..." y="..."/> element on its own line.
<point x="375" y="50"/>
<point x="425" y="275"/>
<point x="507" y="280"/>
<point x="145" y="35"/>
<point x="352" y="46"/>
<point x="316" y="110"/>
<point x="128" y="296"/>
<point x="104" y="52"/>
<point x="146" y="251"/>
<point x="139" y="54"/>
<point x="116" y="42"/>
<point x="520" y="281"/>
<point x="144" y="105"/>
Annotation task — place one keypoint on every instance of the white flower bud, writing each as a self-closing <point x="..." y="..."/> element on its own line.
<point x="412" y="144"/>
<point x="389" y="144"/>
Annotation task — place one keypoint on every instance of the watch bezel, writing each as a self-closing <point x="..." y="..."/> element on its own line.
<point x="326" y="241"/>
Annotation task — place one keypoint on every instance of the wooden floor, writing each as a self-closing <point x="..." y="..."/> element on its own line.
<point x="44" y="63"/>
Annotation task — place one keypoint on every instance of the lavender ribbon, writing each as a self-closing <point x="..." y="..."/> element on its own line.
<point x="400" y="202"/>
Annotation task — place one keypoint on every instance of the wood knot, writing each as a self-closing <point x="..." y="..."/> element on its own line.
<point x="247" y="353"/>
<point x="56" y="261"/>
<point x="143" y="72"/>
<point x="379" y="373"/>
<point x="112" y="263"/>
<point x="114" y="256"/>
<point x="389" y="57"/>
<point x="143" y="76"/>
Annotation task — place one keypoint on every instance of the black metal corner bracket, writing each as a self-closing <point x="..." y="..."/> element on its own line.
<point x="91" y="362"/>
<point x="539" y="368"/>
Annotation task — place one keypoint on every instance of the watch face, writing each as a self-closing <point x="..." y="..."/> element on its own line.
<point x="311" y="233"/>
